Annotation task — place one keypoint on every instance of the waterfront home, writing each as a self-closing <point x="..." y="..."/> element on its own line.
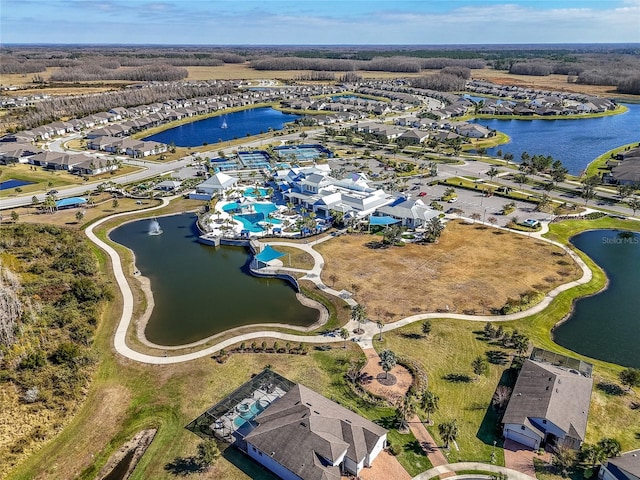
<point x="627" y="172"/>
<point x="624" y="467"/>
<point x="549" y="404"/>
<point x="304" y="435"/>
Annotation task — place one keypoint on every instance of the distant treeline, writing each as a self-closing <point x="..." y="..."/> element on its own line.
<point x="146" y="73"/>
<point x="57" y="108"/>
<point x="623" y="71"/>
<point x="384" y="64"/>
<point x="588" y="64"/>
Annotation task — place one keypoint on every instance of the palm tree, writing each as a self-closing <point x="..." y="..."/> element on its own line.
<point x="387" y="361"/>
<point x="380" y="326"/>
<point x="492" y="172"/>
<point x="429" y="403"/>
<point x="426" y="328"/>
<point x="449" y="432"/>
<point x="405" y="411"/>
<point x="610" y="447"/>
<point x="344" y="334"/>
<point x="358" y="314"/>
<point x="433" y="230"/>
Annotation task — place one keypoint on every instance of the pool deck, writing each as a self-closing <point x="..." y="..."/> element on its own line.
<point x="225" y="426"/>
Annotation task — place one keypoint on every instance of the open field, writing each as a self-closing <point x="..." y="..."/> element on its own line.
<point x="472" y="268"/>
<point x="549" y="82"/>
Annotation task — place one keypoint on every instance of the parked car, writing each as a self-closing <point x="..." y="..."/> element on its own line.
<point x="422" y="194"/>
<point x="52" y="192"/>
<point x="531" y="223"/>
<point x="453" y="200"/>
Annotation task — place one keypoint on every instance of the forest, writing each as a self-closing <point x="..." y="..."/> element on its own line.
<point x="52" y="298"/>
<point x="616" y="64"/>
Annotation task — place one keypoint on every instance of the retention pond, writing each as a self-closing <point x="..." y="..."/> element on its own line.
<point x="606" y="326"/>
<point x="201" y="290"/>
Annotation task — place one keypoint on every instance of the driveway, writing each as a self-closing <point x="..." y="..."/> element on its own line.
<point x="520" y="458"/>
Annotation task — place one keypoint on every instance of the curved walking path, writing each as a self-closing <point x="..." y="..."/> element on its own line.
<point x="365" y="340"/>
<point x="456" y="467"/>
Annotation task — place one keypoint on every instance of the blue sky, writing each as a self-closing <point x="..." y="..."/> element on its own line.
<point x="271" y="22"/>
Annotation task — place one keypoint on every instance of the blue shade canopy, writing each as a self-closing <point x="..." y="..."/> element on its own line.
<point x="71" y="202"/>
<point x="268" y="253"/>
<point x="383" y="220"/>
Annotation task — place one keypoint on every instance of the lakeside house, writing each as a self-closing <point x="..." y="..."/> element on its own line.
<point x="550" y="402"/>
<point x="293" y="431"/>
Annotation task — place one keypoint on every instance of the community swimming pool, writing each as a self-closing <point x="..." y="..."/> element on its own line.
<point x="257" y="213"/>
<point x="255" y="192"/>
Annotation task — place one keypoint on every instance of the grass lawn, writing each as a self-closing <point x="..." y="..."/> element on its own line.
<point x="598" y="166"/>
<point x="449" y="349"/>
<point x="471" y="268"/>
<point x="44" y="180"/>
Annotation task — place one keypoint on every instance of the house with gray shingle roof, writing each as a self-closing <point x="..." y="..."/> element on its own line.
<point x="304" y="435"/>
<point x="549" y="405"/>
<point x="624" y="467"/>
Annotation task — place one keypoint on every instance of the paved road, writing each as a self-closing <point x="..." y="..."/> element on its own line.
<point x="487" y="467"/>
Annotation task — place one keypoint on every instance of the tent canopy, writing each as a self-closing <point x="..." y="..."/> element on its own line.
<point x="70" y="202"/>
<point x="383" y="220"/>
<point x="268" y="253"/>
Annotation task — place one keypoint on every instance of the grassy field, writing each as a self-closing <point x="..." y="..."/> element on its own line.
<point x="471" y="268"/>
<point x="452" y="345"/>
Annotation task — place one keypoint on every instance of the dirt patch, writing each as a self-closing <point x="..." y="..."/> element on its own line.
<point x="471" y="270"/>
<point x="124" y="461"/>
<point x="373" y="372"/>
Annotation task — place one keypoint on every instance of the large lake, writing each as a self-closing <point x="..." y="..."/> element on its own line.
<point x="575" y="142"/>
<point x="225" y="127"/>
<point x="606" y="326"/>
<point x="200" y="290"/>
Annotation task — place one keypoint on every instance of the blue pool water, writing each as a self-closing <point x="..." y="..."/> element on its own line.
<point x="254" y="410"/>
<point x="250" y="221"/>
<point x="251" y="192"/>
<point x="238" y="125"/>
<point x="11" y="183"/>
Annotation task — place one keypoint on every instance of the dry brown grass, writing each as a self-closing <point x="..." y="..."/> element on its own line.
<point x="472" y="268"/>
<point x="550" y="82"/>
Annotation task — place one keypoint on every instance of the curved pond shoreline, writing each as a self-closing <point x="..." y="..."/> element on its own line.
<point x="200" y="291"/>
<point x="365" y="339"/>
<point x="605" y="325"/>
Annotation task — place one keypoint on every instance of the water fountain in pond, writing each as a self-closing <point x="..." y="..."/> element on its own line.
<point x="224" y="123"/>
<point x="154" y="227"/>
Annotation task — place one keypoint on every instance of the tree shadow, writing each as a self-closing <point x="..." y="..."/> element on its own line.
<point x="489" y="430"/>
<point x="498" y="232"/>
<point x="374" y="245"/>
<point x="457" y="378"/>
<point x="610" y="389"/>
<point x="497" y="357"/>
<point x="183" y="466"/>
<point x="390" y="422"/>
<point x="414" y="447"/>
<point x="411" y="336"/>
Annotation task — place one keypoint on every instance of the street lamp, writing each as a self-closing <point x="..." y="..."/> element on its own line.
<point x="483" y="218"/>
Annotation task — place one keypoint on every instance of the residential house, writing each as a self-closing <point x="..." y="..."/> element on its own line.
<point x="304" y="435"/>
<point x="624" y="467"/>
<point x="627" y="172"/>
<point x="549" y="405"/>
